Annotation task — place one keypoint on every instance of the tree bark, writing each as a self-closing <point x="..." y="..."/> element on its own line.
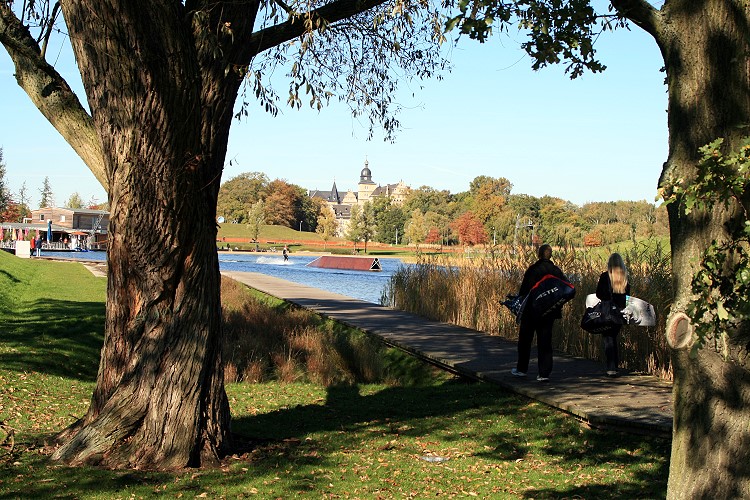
<point x="707" y="57"/>
<point x="162" y="111"/>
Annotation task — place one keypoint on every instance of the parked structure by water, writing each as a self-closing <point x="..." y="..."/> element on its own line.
<point x="351" y="263"/>
<point x="60" y="229"/>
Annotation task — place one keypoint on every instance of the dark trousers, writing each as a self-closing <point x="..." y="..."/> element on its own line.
<point x="543" y="329"/>
<point x="609" y="340"/>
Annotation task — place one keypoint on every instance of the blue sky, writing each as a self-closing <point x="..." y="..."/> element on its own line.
<point x="600" y="137"/>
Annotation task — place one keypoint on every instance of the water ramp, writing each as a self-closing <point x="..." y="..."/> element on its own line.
<point x="349" y="263"/>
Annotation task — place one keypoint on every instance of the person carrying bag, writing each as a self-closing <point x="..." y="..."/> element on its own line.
<point x="606" y="317"/>
<point x="537" y="314"/>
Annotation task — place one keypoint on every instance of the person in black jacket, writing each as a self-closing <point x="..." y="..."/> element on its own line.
<point x="613" y="285"/>
<point x="531" y="323"/>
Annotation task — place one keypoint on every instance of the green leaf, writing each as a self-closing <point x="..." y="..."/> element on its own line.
<point x="721" y="312"/>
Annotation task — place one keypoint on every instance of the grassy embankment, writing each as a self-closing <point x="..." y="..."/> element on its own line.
<point x="469" y="292"/>
<point x="311" y="440"/>
<point x="274" y="238"/>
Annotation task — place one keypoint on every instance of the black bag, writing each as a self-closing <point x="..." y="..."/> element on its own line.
<point x="549" y="294"/>
<point x="602" y="317"/>
<point x="516" y="305"/>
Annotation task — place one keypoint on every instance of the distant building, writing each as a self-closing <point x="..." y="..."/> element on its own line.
<point x="79" y="224"/>
<point x="367" y="190"/>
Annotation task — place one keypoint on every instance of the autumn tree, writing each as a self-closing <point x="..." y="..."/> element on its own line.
<point x="161" y="79"/>
<point x="281" y="199"/>
<point x="327" y="227"/>
<point x="487" y="197"/>
<point x="288" y="205"/>
<point x="428" y="199"/>
<point x="361" y="224"/>
<point x="239" y="193"/>
<point x="353" y="230"/>
<point x="256" y="217"/>
<point x="95" y="204"/>
<point x="12" y="213"/>
<point x="14" y="208"/>
<point x="470" y="230"/>
<point x="74" y="201"/>
<point x="416" y="228"/>
<point x="441" y="223"/>
<point x="592" y="239"/>
<point x="433" y="236"/>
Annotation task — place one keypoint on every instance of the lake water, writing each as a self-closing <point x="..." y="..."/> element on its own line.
<point x="362" y="285"/>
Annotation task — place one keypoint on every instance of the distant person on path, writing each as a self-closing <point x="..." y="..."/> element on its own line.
<point x="285" y="253"/>
<point x="531" y="322"/>
<point x="38" y="246"/>
<point x="613" y="285"/>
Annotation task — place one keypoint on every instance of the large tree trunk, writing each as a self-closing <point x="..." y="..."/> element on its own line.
<point x="707" y="56"/>
<point x="162" y="105"/>
<point x="161" y="79"/>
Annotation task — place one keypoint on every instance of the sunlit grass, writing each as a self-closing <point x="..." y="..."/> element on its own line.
<point x="344" y="439"/>
<point x="370" y="441"/>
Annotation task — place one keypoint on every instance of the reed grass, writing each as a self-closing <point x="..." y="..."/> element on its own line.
<point x="267" y="339"/>
<point x="468" y="291"/>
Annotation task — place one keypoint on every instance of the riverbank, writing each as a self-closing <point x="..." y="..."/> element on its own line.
<point x="302" y="440"/>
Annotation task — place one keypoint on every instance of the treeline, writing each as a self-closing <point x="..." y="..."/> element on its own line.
<point x="282" y="203"/>
<point x="488" y="212"/>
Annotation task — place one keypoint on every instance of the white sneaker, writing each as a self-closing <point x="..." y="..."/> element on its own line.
<point x="539" y="378"/>
<point x="516" y="373"/>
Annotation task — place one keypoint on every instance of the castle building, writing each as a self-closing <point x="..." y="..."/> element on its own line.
<point x="367" y="190"/>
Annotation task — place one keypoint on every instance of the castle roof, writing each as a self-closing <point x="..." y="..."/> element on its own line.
<point x="365" y="177"/>
<point x="331" y="196"/>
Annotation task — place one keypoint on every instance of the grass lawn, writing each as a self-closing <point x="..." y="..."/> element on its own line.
<point x="446" y="439"/>
<point x="238" y="236"/>
<point x="267" y="232"/>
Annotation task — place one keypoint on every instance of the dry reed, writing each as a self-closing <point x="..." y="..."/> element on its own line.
<point x="469" y="291"/>
<point x="275" y="341"/>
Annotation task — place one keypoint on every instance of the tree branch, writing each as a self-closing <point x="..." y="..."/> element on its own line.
<point x="332" y="12"/>
<point x="639" y="12"/>
<point x="49" y="27"/>
<point x="50" y="93"/>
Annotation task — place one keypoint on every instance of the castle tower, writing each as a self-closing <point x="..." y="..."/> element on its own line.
<point x="365" y="186"/>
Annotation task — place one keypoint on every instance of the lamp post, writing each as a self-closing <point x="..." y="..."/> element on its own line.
<point x="493" y="237"/>
<point x="396" y="236"/>
<point x="300" y="226"/>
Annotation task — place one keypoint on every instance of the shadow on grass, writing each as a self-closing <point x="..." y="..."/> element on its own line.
<point x="299" y="443"/>
<point x="58" y="338"/>
<point x="425" y="411"/>
<point x="12" y="278"/>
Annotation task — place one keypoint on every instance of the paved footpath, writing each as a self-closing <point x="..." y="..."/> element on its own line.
<point x="633" y="403"/>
